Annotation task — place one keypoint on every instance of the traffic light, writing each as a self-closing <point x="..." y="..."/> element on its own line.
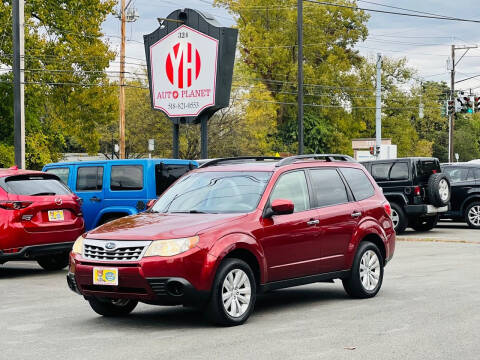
<point x="372" y="150"/>
<point x="450" y="107"/>
<point x="476" y="104"/>
<point x="469" y="104"/>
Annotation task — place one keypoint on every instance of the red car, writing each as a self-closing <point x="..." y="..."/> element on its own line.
<point x="40" y="218"/>
<point x="235" y="228"/>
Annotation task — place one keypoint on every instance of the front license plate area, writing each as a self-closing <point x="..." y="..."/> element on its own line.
<point x="105" y="276"/>
<point x="55" y="215"/>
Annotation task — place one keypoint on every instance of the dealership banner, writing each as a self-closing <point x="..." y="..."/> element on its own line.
<point x="190" y="65"/>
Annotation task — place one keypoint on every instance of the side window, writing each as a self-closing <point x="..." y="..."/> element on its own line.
<point x="399" y="171"/>
<point x="380" y="172"/>
<point x="292" y="186"/>
<point x="166" y="175"/>
<point x="89" y="178"/>
<point x="62" y="173"/>
<point x="359" y="183"/>
<point x="470" y="175"/>
<point x="328" y="187"/>
<point x="477" y="174"/>
<point x="126" y="177"/>
<point x="456" y="174"/>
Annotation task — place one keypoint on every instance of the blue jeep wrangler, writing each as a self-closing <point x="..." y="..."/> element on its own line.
<point x="111" y="189"/>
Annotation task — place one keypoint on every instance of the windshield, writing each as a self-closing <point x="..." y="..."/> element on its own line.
<point x="214" y="192"/>
<point x="35" y="186"/>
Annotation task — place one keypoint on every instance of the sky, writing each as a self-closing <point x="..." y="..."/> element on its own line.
<point x="426" y="43"/>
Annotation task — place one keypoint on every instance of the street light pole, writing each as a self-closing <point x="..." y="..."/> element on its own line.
<point x="18" y="82"/>
<point x="300" y="74"/>
<point x="122" y="84"/>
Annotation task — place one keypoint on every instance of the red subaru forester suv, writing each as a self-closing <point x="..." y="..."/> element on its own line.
<point x="40" y="218"/>
<point x="238" y="227"/>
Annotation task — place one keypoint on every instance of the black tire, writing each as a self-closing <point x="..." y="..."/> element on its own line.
<point x="108" y="218"/>
<point x="353" y="284"/>
<point x="400" y="220"/>
<point x="424" y="223"/>
<point x="471" y="215"/>
<point x="53" y="262"/>
<point x="215" y="310"/>
<point x="112" y="307"/>
<point x="437" y="193"/>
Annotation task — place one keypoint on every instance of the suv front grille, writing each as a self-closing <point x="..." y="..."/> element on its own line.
<point x="115" y="250"/>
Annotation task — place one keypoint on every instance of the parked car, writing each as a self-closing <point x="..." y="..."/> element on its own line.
<point x="40" y="218"/>
<point x="416" y="188"/>
<point x="232" y="229"/>
<point x="112" y="189"/>
<point x="465" y="201"/>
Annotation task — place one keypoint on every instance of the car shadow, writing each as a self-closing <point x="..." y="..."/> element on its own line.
<point x="23" y="269"/>
<point x="179" y="317"/>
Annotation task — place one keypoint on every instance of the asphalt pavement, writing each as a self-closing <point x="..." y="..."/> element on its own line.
<point x="428" y="308"/>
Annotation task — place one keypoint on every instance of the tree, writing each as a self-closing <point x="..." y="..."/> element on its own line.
<point x="268" y="47"/>
<point x="67" y="92"/>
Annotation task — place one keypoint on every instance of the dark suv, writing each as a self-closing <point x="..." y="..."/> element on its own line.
<point x="236" y="227"/>
<point x="416" y="189"/>
<point x="465" y="202"/>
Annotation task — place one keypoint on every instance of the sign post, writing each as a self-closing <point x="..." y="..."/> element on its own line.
<point x="190" y="65"/>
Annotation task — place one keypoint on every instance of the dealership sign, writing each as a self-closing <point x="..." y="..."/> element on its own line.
<point x="190" y="65"/>
<point x="183" y="72"/>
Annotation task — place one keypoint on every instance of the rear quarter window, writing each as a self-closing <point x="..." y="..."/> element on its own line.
<point x="359" y="183"/>
<point x="380" y="172"/>
<point x="126" y="177"/>
<point x="167" y="174"/>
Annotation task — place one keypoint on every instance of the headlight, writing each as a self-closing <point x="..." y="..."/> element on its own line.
<point x="78" y="245"/>
<point x="171" y="247"/>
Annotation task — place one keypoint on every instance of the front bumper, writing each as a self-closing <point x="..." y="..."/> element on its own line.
<point x="428" y="210"/>
<point x="35" y="251"/>
<point x="178" y="280"/>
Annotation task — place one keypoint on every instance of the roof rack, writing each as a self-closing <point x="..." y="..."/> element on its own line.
<point x="326" y="157"/>
<point x="239" y="160"/>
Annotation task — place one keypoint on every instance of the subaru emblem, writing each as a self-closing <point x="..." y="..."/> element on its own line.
<point x="110" y="246"/>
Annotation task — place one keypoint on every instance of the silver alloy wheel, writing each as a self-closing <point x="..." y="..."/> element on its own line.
<point x="370" y="270"/>
<point x="236" y="293"/>
<point x="443" y="190"/>
<point x="395" y="219"/>
<point x="474" y="215"/>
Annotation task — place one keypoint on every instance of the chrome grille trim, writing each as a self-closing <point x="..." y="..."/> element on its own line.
<point x="124" y="250"/>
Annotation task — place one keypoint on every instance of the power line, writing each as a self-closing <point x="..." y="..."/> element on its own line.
<point x="441" y="17"/>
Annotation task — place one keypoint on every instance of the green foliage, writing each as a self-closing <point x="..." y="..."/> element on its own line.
<point x="7" y="157"/>
<point x="67" y="92"/>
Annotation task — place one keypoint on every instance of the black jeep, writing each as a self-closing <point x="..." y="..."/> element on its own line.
<point x="416" y="188"/>
<point x="465" y="202"/>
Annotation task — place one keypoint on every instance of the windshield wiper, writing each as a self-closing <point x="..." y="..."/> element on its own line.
<point x="43" y="193"/>
<point x="191" y="212"/>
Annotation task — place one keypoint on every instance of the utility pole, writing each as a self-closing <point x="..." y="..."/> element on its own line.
<point x="18" y="82"/>
<point x="300" y="74"/>
<point x="122" y="83"/>
<point x="451" y="116"/>
<point x="378" y="107"/>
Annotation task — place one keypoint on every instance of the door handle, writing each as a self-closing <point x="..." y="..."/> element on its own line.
<point x="95" y="199"/>
<point x="356" y="214"/>
<point x="313" y="222"/>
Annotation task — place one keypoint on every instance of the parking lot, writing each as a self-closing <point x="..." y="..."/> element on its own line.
<point x="427" y="308"/>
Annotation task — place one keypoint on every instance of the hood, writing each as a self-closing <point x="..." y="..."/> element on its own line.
<point x="157" y="226"/>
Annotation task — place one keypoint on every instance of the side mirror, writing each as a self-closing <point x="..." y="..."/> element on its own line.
<point x="282" y="207"/>
<point x="150" y="203"/>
